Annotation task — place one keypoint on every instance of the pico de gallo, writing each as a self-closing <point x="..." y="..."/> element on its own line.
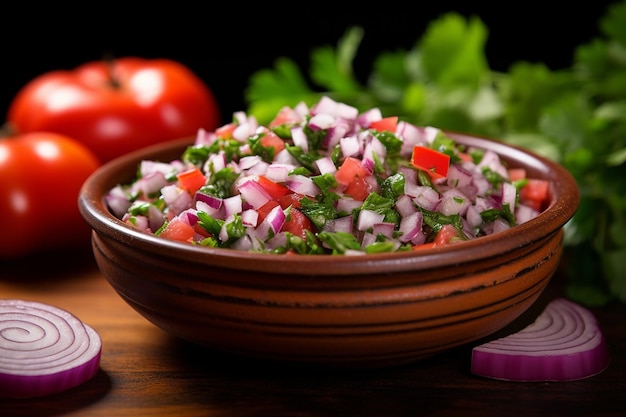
<point x="327" y="179"/>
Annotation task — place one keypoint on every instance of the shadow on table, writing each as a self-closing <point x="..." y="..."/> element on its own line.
<point x="62" y="403"/>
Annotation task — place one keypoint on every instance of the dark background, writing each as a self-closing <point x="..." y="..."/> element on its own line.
<point x="226" y="43"/>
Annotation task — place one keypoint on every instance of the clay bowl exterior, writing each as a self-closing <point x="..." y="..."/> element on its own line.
<point x="366" y="311"/>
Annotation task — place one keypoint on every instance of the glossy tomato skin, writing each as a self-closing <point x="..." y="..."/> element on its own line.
<point x="117" y="106"/>
<point x="40" y="179"/>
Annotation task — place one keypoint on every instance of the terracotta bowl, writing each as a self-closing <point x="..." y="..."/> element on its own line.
<point x="343" y="311"/>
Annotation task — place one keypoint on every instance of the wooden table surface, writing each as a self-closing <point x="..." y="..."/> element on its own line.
<point x="146" y="372"/>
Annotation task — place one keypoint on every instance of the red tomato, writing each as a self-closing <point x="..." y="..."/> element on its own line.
<point x="351" y="175"/>
<point x="264" y="210"/>
<point x="535" y="193"/>
<point x="191" y="180"/>
<point x="118" y="106"/>
<point x="291" y="199"/>
<point x="359" y="188"/>
<point x="272" y="140"/>
<point x="178" y="230"/>
<point x="385" y="124"/>
<point x="297" y="223"/>
<point x="516" y="174"/>
<point x="445" y="235"/>
<point x="274" y="189"/>
<point x="41" y="175"/>
<point x="435" y="163"/>
<point x="286" y="115"/>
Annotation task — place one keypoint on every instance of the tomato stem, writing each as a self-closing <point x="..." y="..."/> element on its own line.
<point x="7" y="130"/>
<point x="109" y="62"/>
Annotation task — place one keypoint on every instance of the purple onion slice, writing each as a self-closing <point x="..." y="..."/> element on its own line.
<point x="44" y="349"/>
<point x="564" y="343"/>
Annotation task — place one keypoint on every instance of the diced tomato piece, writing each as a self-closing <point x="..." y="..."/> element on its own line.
<point x="291" y="199"/>
<point x="351" y="176"/>
<point x="350" y="169"/>
<point x="297" y="223"/>
<point x="435" y="163"/>
<point x="200" y="230"/>
<point x="226" y="131"/>
<point x="385" y="124"/>
<point x="516" y="174"/>
<point x="274" y="189"/>
<point x="358" y="189"/>
<point x="463" y="156"/>
<point x="265" y="209"/>
<point x="191" y="180"/>
<point x="445" y="235"/>
<point x="535" y="193"/>
<point x="178" y="230"/>
<point x="286" y="115"/>
<point x="424" y="246"/>
<point x="272" y="140"/>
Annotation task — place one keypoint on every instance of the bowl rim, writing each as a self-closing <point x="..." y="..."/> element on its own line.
<point x="93" y="208"/>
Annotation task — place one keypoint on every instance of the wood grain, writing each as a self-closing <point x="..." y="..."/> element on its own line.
<point x="146" y="372"/>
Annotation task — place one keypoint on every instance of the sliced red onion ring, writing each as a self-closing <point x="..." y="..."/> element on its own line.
<point x="564" y="343"/>
<point x="44" y="349"/>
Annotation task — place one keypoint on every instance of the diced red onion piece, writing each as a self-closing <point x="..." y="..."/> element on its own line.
<point x="215" y="162"/>
<point x="326" y="165"/>
<point x="383" y="228"/>
<point x="338" y="130"/>
<point x="249" y="217"/>
<point x="564" y="343"/>
<point x="458" y="176"/>
<point x="492" y="161"/>
<point x="218" y="213"/>
<point x="509" y="195"/>
<point x="276" y="218"/>
<point x="152" y="182"/>
<point x="176" y="198"/>
<point x="423" y="196"/>
<point x="247" y="127"/>
<point x="284" y="157"/>
<point x="278" y="172"/>
<point x="347" y="204"/>
<point x="366" y="118"/>
<point x="248" y="162"/>
<point x="232" y="205"/>
<point x="299" y="138"/>
<point x="453" y="202"/>
<point x="321" y="121"/>
<point x="44" y="349"/>
<point x="302" y="109"/>
<point x="410" y="226"/>
<point x="302" y="184"/>
<point x="404" y="205"/>
<point x="211" y="200"/>
<point x="350" y="145"/>
<point x="155" y="218"/>
<point x="523" y="213"/>
<point x="253" y="193"/>
<point x="204" y="137"/>
<point x="334" y="108"/>
<point x="190" y="216"/>
<point x="117" y="201"/>
<point x="340" y="224"/>
<point x="147" y="167"/>
<point x="368" y="218"/>
<point x="473" y="216"/>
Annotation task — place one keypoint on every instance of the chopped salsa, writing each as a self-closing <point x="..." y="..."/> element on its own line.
<point x="327" y="179"/>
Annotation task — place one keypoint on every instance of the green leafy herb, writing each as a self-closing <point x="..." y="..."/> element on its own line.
<point x="575" y="116"/>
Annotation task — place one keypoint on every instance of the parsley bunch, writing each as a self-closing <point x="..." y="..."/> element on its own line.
<point x="576" y="116"/>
